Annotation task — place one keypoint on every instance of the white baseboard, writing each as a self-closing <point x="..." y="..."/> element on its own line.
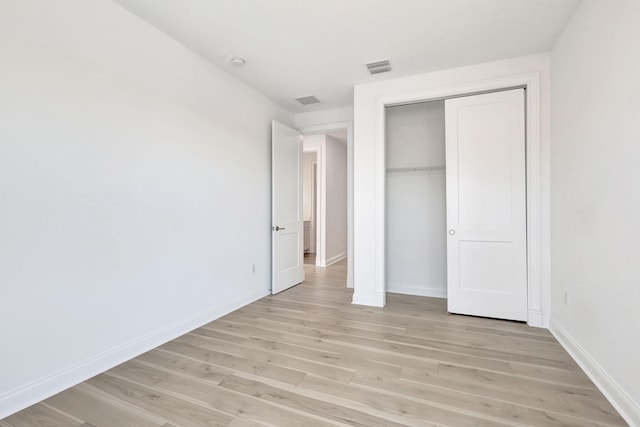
<point x="43" y="388"/>
<point x="373" y="300"/>
<point x="537" y="319"/>
<point x="620" y="400"/>
<point x="334" y="259"/>
<point x="406" y="289"/>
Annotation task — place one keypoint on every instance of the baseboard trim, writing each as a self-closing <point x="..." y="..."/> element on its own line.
<point x="406" y="289"/>
<point x="624" y="404"/>
<point x="375" y="300"/>
<point x="537" y="319"/>
<point x="333" y="260"/>
<point x="32" y="393"/>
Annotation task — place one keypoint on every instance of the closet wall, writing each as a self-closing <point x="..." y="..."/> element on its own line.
<point x="336" y="200"/>
<point x="415" y="200"/>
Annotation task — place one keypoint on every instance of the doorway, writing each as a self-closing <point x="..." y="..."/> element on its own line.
<point x="415" y="219"/>
<point x="474" y="251"/>
<point x="325" y="198"/>
<point x="310" y="203"/>
<point x="332" y="212"/>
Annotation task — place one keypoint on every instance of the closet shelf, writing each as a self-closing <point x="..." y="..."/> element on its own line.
<point x="416" y="169"/>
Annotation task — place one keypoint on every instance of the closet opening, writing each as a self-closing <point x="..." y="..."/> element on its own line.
<point x="415" y="219"/>
<point x="455" y="202"/>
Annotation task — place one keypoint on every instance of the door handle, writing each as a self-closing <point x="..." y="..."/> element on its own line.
<point x="452" y="232"/>
<point x="277" y="228"/>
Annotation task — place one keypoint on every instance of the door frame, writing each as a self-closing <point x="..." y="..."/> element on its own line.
<point x="319" y="201"/>
<point x="532" y="85"/>
<point x="332" y="127"/>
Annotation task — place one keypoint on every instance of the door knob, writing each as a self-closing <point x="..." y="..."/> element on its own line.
<point x="452" y="232"/>
<point x="278" y="228"/>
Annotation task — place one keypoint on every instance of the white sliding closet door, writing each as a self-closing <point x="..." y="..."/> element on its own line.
<point x="486" y="205"/>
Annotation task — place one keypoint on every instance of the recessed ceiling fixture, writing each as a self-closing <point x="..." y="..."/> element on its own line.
<point x="378" y="67"/>
<point x="306" y="100"/>
<point x="238" y="62"/>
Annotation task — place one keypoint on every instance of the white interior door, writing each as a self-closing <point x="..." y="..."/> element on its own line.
<point x="286" y="204"/>
<point x="486" y="207"/>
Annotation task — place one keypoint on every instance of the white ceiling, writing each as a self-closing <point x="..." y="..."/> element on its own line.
<point x="296" y="48"/>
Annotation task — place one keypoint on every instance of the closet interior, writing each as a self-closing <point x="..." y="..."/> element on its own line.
<point x="415" y="228"/>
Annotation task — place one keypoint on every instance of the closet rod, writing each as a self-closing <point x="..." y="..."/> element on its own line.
<point x="424" y="168"/>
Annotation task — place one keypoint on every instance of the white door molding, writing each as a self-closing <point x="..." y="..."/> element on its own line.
<point x="532" y="83"/>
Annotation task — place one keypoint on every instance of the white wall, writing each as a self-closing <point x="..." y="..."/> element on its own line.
<point x="135" y="192"/>
<point x="369" y="166"/>
<point x="595" y="190"/>
<point x="308" y="205"/>
<point x="307" y="193"/>
<point x="416" y="239"/>
<point x="333" y="115"/>
<point x="336" y="200"/>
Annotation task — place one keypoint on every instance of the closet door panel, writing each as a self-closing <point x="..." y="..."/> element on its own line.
<point x="486" y="208"/>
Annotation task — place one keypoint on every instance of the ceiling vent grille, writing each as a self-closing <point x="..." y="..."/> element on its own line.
<point x="306" y="100"/>
<point x="379" y="67"/>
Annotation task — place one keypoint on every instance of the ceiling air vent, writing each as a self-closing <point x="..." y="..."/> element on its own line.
<point x="306" y="100"/>
<point x="379" y="67"/>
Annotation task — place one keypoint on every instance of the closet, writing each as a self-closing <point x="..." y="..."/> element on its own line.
<point x="415" y="219"/>
<point x="455" y="220"/>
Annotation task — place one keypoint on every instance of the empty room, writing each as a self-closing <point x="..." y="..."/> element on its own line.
<point x="319" y="213"/>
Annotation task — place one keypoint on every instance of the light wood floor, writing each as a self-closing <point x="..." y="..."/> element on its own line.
<point x="310" y="258"/>
<point x="307" y="357"/>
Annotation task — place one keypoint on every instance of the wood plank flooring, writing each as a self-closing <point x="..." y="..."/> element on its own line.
<point x="307" y="357"/>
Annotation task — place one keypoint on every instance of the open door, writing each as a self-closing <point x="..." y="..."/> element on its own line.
<point x="286" y="203"/>
<point x="486" y="206"/>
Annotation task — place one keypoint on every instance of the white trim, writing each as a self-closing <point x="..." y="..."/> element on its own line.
<point x="331" y="127"/>
<point x="313" y="225"/>
<point x="409" y="289"/>
<point x="537" y="319"/>
<point x="321" y="208"/>
<point x="377" y="300"/>
<point x="335" y="259"/>
<point x="46" y="387"/>
<point x="624" y="404"/>
<point x="531" y="81"/>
